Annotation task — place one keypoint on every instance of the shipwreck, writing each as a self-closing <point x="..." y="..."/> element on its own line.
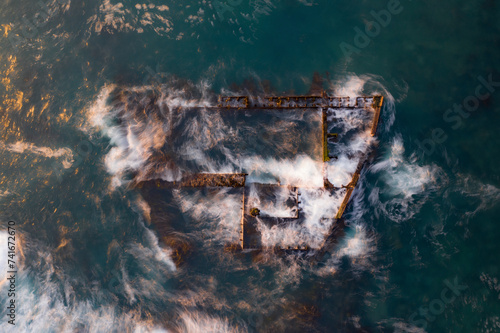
<point x="254" y="195"/>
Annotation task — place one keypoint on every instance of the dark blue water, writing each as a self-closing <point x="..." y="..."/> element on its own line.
<point x="419" y="253"/>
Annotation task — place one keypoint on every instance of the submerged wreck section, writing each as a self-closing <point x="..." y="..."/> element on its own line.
<point x="296" y="102"/>
<point x="199" y="180"/>
<point x="285" y="217"/>
<point x="257" y="214"/>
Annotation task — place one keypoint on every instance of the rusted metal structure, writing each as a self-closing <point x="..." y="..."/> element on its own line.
<point x="200" y="180"/>
<point x="249" y="235"/>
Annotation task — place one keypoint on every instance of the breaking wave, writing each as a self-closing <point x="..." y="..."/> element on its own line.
<point x="43" y="306"/>
<point x="220" y="221"/>
<point x="406" y="184"/>
<point x="359" y="246"/>
<point x="319" y="208"/>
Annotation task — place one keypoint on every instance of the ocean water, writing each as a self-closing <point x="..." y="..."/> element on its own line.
<point x="94" y="93"/>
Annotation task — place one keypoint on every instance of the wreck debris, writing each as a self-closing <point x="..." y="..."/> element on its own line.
<point x="254" y="212"/>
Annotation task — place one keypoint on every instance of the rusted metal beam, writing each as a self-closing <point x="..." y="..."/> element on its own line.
<point x="324" y="126"/>
<point x="242" y="225"/>
<point x="294" y="102"/>
<point x="377" y="106"/>
<point x="200" y="180"/>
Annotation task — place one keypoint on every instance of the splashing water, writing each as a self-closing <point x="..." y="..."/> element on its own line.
<point x="408" y="184"/>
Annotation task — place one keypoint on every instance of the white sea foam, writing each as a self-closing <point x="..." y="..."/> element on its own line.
<point x="353" y="124"/>
<point x="143" y="207"/>
<point x="21" y="147"/>
<point x="319" y="208"/>
<point x="340" y="171"/>
<point x="354" y="85"/>
<point x="47" y="299"/>
<point x="3" y="254"/>
<point x="150" y="249"/>
<point x="488" y="195"/>
<point x="407" y="184"/>
<point x="348" y="155"/>
<point x="302" y="171"/>
<point x="200" y="323"/>
<point x="275" y="206"/>
<point x="143" y="135"/>
<point x="42" y="308"/>
<point x="219" y="215"/>
<point x="154" y="250"/>
<point x="403" y="327"/>
<point x="359" y="246"/>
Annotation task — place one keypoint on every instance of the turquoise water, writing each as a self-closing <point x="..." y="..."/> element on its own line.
<point x="91" y="258"/>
